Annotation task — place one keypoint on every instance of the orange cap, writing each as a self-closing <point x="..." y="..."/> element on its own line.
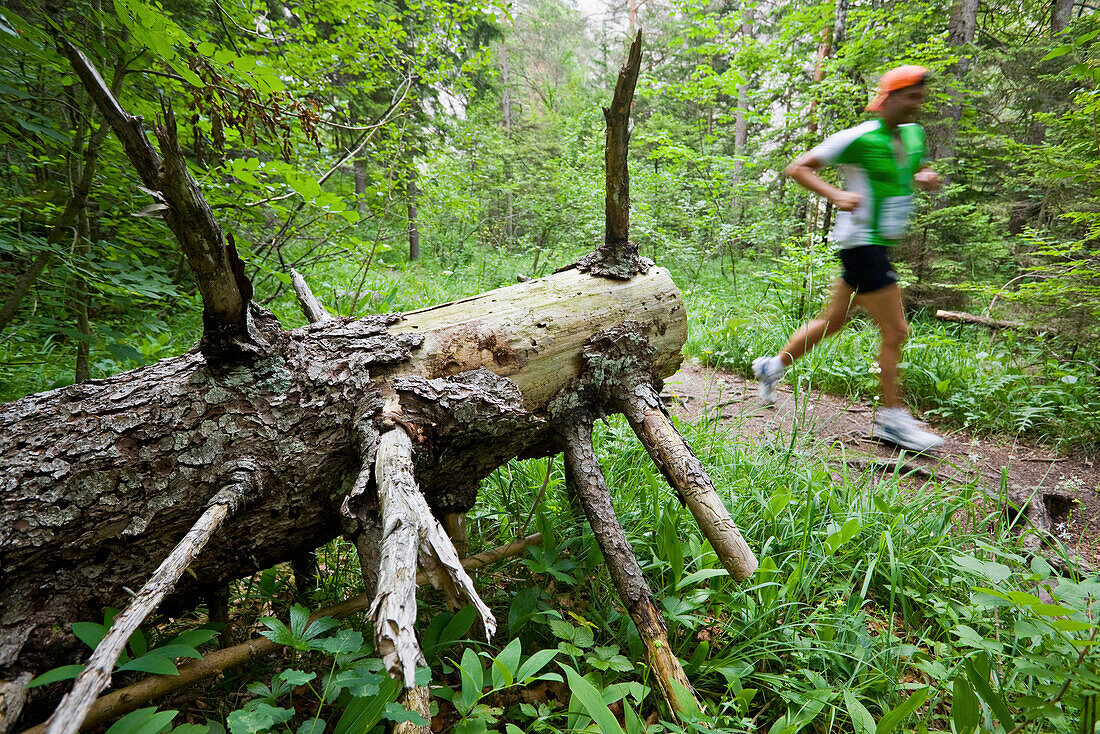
<point x="898" y="78"/>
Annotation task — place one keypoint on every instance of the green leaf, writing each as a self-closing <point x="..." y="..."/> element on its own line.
<point x="473" y="679"/>
<point x="505" y="665"/>
<point x="1059" y="51"/>
<point x="995" y="572"/>
<point x="194" y="638"/>
<point x="154" y="663"/>
<point x="862" y="721"/>
<point x="261" y="718"/>
<point x="143" y="721"/>
<point x="359" y="681"/>
<point x="90" y="633"/>
<point x="1069" y="625"/>
<point x="965" y="712"/>
<point x="592" y="702"/>
<point x="299" y="618"/>
<point x="894" y="718"/>
<point x="344" y="640"/>
<point x="701" y="575"/>
<point x="1052" y="610"/>
<point x="995" y="702"/>
<point x="395" y="712"/>
<point x="532" y="665"/>
<point x="65" y="672"/>
<point x="362" y="714"/>
<point x="297" y="677"/>
<point x="311" y="726"/>
<point x="842" y="536"/>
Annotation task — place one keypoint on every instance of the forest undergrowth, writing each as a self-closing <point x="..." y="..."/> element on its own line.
<point x="877" y="607"/>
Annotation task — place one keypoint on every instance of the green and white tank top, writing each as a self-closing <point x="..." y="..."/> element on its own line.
<point x="879" y="167"/>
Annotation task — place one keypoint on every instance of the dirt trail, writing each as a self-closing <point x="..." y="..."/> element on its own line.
<point x="1062" y="493"/>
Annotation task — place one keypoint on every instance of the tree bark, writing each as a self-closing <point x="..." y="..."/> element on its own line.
<point x="1061" y="12"/>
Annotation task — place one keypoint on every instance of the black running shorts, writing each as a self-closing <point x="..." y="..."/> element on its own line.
<point x="867" y="268"/>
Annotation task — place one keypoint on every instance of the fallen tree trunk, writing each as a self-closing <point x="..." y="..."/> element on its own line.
<point x="961" y="317"/>
<point x="100" y="480"/>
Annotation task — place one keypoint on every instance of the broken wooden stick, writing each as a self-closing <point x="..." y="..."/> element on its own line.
<point x="961" y="317"/>
<point x="585" y="478"/>
<point x="410" y="530"/>
<point x="134" y="696"/>
<point x="312" y="307"/>
<point x="72" y="710"/>
<point x="685" y="473"/>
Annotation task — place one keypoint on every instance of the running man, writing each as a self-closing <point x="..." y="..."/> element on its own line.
<point x="881" y="160"/>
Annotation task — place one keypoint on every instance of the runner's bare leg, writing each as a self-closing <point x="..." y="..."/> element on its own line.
<point x="832" y="319"/>
<point x="884" y="306"/>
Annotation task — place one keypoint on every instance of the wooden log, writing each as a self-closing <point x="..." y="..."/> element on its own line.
<point x="687" y="475"/>
<point x="117" y="703"/>
<point x="969" y="318"/>
<point x="116" y="469"/>
<point x="585" y="478"/>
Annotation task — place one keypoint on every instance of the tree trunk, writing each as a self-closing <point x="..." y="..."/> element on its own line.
<point x="359" y="166"/>
<point x="100" y="480"/>
<point x="1061" y="12"/>
<point x="80" y="297"/>
<point x="741" y="123"/>
<point x="506" y="112"/>
<point x="410" y="201"/>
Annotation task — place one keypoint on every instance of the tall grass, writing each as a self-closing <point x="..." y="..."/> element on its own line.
<point x="961" y="376"/>
<point x="863" y="584"/>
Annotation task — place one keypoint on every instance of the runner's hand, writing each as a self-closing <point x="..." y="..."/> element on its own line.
<point x="847" y="201"/>
<point x="927" y="179"/>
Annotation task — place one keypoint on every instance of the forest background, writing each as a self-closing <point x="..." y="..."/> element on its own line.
<point x="402" y="154"/>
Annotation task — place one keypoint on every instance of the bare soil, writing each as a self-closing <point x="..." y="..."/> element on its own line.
<point x="1060" y="494"/>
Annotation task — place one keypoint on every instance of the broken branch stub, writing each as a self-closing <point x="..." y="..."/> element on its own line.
<point x="409" y="531"/>
<point x="70" y="713"/>
<point x="617" y="257"/>
<point x="585" y="478"/>
<point x="312" y="307"/>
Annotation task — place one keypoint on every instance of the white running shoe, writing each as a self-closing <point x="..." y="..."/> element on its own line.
<point x="898" y="427"/>
<point x="768" y="371"/>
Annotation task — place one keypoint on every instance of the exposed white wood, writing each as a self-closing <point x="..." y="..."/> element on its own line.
<point x="532" y="332"/>
<point x="409" y="531"/>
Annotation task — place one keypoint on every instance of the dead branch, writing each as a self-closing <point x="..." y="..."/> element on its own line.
<point x="71" y="712"/>
<point x="585" y="478"/>
<point x="312" y="308"/>
<point x="218" y="270"/>
<point x="410" y="530"/>
<point x="686" y="474"/>
<point x="122" y="701"/>
<point x="960" y="317"/>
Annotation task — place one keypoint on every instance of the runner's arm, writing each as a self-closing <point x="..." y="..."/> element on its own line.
<point x="927" y="179"/>
<point x="804" y="171"/>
